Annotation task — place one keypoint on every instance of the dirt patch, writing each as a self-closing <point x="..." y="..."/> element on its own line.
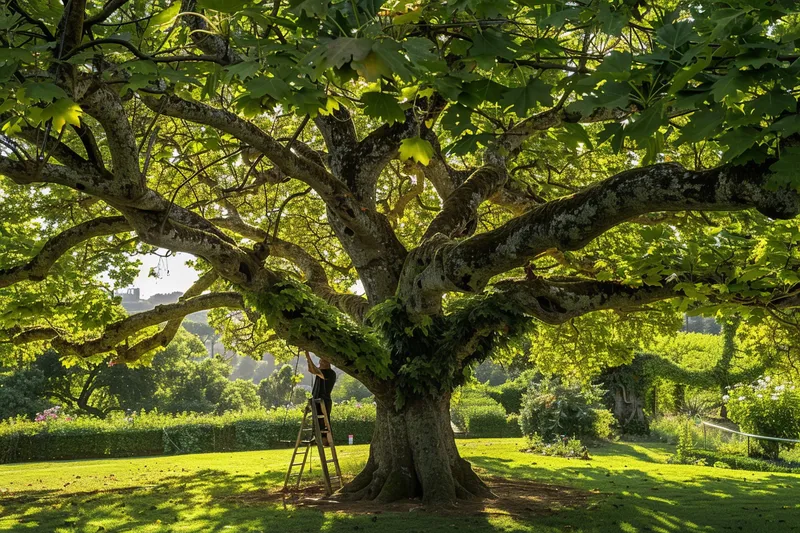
<point x="514" y="497"/>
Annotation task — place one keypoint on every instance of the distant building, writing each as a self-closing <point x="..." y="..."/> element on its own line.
<point x="129" y="295"/>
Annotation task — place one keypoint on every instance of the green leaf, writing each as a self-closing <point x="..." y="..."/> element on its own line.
<point x="773" y="103"/>
<point x="243" y="70"/>
<point x="646" y="124"/>
<point x="576" y="133"/>
<point x="417" y="149"/>
<point x="683" y="76"/>
<point x="62" y="112"/>
<point x="312" y="8"/>
<point x="44" y="91"/>
<point x="701" y="126"/>
<point x="722" y="18"/>
<point x="786" y="170"/>
<point x="615" y="66"/>
<point x="275" y="88"/>
<point x="458" y="119"/>
<point x="613" y="94"/>
<point x="676" y="35"/>
<point x="524" y="98"/>
<point x="382" y="106"/>
<point x="12" y="55"/>
<point x="389" y="52"/>
<point x="344" y="50"/>
<point x="491" y="43"/>
<point x="738" y="141"/>
<point x="167" y="16"/>
<point x="787" y="125"/>
<point x="729" y="85"/>
<point x="223" y="6"/>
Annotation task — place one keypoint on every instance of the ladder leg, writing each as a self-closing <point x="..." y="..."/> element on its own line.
<point x="320" y="447"/>
<point x="334" y="457"/>
<point x="294" y="453"/>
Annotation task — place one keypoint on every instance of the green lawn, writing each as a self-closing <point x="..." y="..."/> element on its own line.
<point x="632" y="489"/>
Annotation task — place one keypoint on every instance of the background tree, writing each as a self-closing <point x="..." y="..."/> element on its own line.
<point x="477" y="169"/>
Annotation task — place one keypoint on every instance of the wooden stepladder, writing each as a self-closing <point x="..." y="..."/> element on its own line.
<point x="311" y="434"/>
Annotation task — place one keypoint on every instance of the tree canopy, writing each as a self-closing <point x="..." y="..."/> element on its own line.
<point x="403" y="187"/>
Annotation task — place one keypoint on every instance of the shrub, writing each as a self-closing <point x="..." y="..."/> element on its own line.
<point x="510" y="394"/>
<point x="768" y="408"/>
<point x="559" y="447"/>
<point x="551" y="409"/>
<point x="155" y="433"/>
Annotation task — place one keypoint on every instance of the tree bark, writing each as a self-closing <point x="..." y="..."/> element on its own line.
<point x="413" y="455"/>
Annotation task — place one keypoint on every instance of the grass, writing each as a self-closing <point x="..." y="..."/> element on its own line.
<point x="633" y="490"/>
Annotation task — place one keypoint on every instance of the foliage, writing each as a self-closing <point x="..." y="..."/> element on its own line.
<point x="22" y="393"/>
<point x="551" y="409"/>
<point x="154" y="434"/>
<point x="306" y="316"/>
<point x="738" y="462"/>
<point x="767" y="407"/>
<point x="510" y="393"/>
<point x="238" y="395"/>
<point x="280" y="388"/>
<point x="349" y="388"/>
<point x="684" y="450"/>
<point x="559" y="446"/>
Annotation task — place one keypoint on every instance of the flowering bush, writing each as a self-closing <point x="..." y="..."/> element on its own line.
<point x="54" y="413"/>
<point x="767" y="407"/>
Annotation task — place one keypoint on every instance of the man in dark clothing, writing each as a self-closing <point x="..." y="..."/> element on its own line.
<point x="323" y="386"/>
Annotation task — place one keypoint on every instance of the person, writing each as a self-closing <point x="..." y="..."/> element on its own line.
<point x="323" y="386"/>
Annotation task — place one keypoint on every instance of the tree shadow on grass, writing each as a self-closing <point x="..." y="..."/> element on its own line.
<point x="585" y="497"/>
<point x="638" y="500"/>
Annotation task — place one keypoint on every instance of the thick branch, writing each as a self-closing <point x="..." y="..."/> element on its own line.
<point x="38" y="267"/>
<point x="572" y="222"/>
<point x="117" y="332"/>
<point x="556" y="302"/>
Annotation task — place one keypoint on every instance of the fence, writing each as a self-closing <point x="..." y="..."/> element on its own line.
<point x="741" y="435"/>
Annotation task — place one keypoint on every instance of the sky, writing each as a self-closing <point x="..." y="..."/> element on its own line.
<point x="178" y="278"/>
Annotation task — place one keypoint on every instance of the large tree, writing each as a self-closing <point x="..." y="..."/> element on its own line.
<point x="402" y="187"/>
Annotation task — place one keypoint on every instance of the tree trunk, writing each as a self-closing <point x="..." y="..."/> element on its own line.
<point x="413" y="455"/>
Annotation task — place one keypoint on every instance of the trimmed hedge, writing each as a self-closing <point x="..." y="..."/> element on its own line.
<point x="738" y="462"/>
<point x="156" y="434"/>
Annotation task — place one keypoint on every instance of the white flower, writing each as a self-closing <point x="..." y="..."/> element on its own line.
<point x="726" y="398"/>
<point x="774" y="397"/>
<point x="741" y="398"/>
<point x="759" y="395"/>
<point x="767" y="379"/>
<point x="780" y="387"/>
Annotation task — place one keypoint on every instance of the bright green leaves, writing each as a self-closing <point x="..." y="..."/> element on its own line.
<point x="62" y="112"/>
<point x="522" y="99"/>
<point x="382" y="106"/>
<point x="416" y="149"/>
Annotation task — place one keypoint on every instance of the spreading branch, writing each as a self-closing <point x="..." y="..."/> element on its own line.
<point x="37" y="268"/>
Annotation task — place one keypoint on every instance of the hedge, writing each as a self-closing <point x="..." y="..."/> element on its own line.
<point x="158" y="434"/>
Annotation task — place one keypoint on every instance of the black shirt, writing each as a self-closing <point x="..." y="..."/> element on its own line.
<point x="323" y="387"/>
